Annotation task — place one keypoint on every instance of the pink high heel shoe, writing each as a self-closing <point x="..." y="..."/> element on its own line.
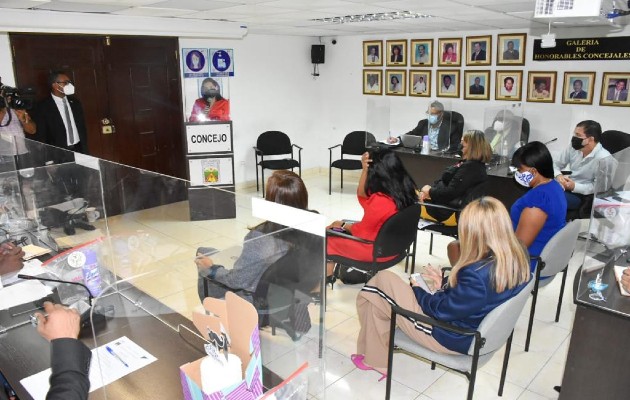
<point x="357" y="360"/>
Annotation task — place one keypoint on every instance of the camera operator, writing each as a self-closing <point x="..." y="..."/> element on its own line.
<point x="14" y="123"/>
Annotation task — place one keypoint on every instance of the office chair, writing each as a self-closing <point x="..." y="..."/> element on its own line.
<point x="275" y="143"/>
<point x="353" y="144"/>
<point x="394" y="239"/>
<point x="495" y="329"/>
<point x="553" y="259"/>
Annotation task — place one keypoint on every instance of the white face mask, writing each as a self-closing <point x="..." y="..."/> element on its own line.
<point x="498" y="126"/>
<point x="523" y="178"/>
<point x="68" y="90"/>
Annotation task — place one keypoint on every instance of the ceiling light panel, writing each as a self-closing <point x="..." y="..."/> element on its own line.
<point x="21" y="4"/>
<point x="198" y="5"/>
<point x="80" y="7"/>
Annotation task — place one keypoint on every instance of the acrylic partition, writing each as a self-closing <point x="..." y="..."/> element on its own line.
<point x="503" y="127"/>
<point x="606" y="250"/>
<point x="206" y="99"/>
<point x="379" y="123"/>
<point x="126" y="234"/>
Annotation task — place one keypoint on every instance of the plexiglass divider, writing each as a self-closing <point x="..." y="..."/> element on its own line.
<point x="503" y="127"/>
<point x="126" y="234"/>
<point x="606" y="250"/>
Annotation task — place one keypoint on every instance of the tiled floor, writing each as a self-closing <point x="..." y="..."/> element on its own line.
<point x="530" y="375"/>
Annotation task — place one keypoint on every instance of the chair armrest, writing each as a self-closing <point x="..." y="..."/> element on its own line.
<point x="337" y="145"/>
<point x="330" y="232"/>
<point x="295" y="145"/>
<point x="231" y="289"/>
<point x="257" y="151"/>
<point x="434" y="322"/>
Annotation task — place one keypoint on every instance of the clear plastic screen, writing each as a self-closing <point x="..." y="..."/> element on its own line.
<point x="503" y="127"/>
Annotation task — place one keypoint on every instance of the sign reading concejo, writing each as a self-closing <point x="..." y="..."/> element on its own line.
<point x="584" y="49"/>
<point x="209" y="137"/>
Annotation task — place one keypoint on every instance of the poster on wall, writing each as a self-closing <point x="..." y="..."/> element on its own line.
<point x="195" y="63"/>
<point x="222" y="62"/>
<point x="210" y="171"/>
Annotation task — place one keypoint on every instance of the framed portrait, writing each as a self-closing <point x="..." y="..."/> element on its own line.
<point x="477" y="85"/>
<point x="420" y="83"/>
<point x="373" y="53"/>
<point x="578" y="87"/>
<point x="541" y="86"/>
<point x="511" y="49"/>
<point x="479" y="50"/>
<point x="449" y="52"/>
<point x="448" y="83"/>
<point x="421" y="52"/>
<point x="373" y="81"/>
<point x="508" y="85"/>
<point x="396" y="82"/>
<point x="397" y="53"/>
<point x="615" y="89"/>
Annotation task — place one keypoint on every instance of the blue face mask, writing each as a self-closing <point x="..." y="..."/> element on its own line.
<point x="523" y="178"/>
<point x="433" y="119"/>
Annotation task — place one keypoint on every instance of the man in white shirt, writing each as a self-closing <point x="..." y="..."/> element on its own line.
<point x="582" y="159"/>
<point x="508" y="87"/>
<point x="373" y="56"/>
<point x="447" y="86"/>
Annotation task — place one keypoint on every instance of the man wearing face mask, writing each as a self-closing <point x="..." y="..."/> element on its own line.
<point x="59" y="117"/>
<point x="443" y="133"/>
<point x="211" y="106"/>
<point x="581" y="158"/>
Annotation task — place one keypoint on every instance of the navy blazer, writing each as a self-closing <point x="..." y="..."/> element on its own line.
<point x="464" y="305"/>
<point x="50" y="127"/>
<point x="449" y="136"/>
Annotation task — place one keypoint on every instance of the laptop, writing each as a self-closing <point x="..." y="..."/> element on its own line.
<point x="411" y="141"/>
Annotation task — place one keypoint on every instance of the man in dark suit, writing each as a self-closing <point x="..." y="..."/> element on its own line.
<point x="618" y="92"/>
<point x="476" y="88"/>
<point x="478" y="54"/>
<point x="577" y="92"/>
<point x="59" y="117"/>
<point x="444" y="134"/>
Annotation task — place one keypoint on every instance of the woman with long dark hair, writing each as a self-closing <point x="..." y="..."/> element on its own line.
<point x="384" y="188"/>
<point x="211" y="106"/>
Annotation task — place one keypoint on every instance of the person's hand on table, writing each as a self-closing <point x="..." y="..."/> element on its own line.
<point x="61" y="322"/>
<point x="566" y="182"/>
<point x="10" y="258"/>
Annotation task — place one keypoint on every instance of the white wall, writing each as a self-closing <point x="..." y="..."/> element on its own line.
<point x="6" y="65"/>
<point x="342" y="78"/>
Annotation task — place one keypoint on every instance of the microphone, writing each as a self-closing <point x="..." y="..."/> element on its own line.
<point x="551" y="141"/>
<point x="37" y="278"/>
<point x="98" y="319"/>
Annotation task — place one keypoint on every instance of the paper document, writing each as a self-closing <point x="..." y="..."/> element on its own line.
<point x="21" y="293"/>
<point x="110" y="362"/>
<point x="31" y="251"/>
<point x="618" y="272"/>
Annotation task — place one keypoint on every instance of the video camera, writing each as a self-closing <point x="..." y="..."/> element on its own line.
<point x="15" y="98"/>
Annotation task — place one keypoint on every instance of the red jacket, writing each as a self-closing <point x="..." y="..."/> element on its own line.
<point x="220" y="111"/>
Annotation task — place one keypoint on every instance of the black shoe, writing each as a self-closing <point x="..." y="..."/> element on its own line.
<point x="331" y="279"/>
<point x="557" y="388"/>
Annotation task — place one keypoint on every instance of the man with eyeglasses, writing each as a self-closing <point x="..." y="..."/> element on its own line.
<point x="443" y="133"/>
<point x="60" y="120"/>
<point x="581" y="158"/>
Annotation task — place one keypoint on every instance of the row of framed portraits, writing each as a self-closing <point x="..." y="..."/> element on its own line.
<point x="541" y="85"/>
<point x="510" y="51"/>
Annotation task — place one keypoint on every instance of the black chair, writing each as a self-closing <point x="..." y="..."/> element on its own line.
<point x="615" y="141"/>
<point x="353" y="144"/>
<point x="394" y="239"/>
<point x="275" y="143"/>
<point x="438" y="228"/>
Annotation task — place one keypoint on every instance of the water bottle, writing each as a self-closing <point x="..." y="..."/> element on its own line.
<point x="91" y="272"/>
<point x="504" y="148"/>
<point x="425" y="144"/>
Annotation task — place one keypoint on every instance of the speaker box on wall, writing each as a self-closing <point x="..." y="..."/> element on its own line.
<point x="317" y="53"/>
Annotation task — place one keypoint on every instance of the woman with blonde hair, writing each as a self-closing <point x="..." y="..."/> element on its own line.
<point x="493" y="268"/>
<point x="458" y="179"/>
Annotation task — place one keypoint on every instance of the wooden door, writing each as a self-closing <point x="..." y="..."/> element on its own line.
<point x="132" y="80"/>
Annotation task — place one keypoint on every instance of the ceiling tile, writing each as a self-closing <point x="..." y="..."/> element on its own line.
<point x="80" y="7"/>
<point x="154" y="12"/>
<point x="199" y="5"/>
<point x="21" y="4"/>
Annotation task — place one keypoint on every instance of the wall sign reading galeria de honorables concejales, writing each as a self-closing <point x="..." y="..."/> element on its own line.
<point x="585" y="49"/>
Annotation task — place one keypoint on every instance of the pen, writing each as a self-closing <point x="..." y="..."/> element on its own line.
<point x="110" y="351"/>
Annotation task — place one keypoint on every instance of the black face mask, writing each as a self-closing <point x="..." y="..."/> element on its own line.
<point x="209" y="93"/>
<point x="576" y="143"/>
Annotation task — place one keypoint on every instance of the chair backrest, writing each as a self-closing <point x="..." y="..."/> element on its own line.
<point x="498" y="325"/>
<point x="355" y="142"/>
<point x="525" y="131"/>
<point x="398" y="232"/>
<point x="477" y="191"/>
<point x="456" y="119"/>
<point x="272" y="143"/>
<point x="559" y="249"/>
<point x="615" y="141"/>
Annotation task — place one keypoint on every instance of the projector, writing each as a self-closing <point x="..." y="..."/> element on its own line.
<point x="548" y="40"/>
